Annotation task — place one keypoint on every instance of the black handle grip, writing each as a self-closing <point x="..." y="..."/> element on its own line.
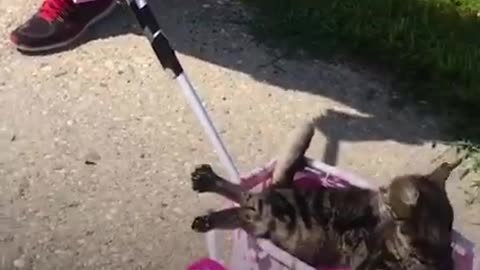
<point x="158" y="41"/>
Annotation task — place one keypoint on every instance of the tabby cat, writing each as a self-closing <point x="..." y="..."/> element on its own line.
<point x="405" y="225"/>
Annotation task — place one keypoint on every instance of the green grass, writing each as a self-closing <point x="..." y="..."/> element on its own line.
<point x="432" y="47"/>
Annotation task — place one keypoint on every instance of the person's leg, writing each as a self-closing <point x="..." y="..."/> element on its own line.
<point x="58" y="23"/>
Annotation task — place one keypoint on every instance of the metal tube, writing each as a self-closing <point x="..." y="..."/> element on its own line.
<point x="169" y="61"/>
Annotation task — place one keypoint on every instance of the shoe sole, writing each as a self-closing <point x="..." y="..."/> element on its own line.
<point x="65" y="43"/>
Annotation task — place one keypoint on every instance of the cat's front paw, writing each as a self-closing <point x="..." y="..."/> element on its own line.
<point x="202" y="224"/>
<point x="203" y="178"/>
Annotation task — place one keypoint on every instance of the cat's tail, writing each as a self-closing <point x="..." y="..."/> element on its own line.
<point x="292" y="156"/>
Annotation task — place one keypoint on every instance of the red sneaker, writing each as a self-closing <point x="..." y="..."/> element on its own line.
<point x="59" y="23"/>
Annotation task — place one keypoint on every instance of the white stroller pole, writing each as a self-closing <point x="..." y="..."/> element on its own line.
<point x="169" y="61"/>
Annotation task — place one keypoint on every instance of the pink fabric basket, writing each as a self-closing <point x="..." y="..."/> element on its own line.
<point x="257" y="254"/>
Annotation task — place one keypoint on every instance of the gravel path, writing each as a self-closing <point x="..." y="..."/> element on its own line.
<point x="107" y="103"/>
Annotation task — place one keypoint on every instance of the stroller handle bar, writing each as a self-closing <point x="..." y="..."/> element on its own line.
<point x="158" y="41"/>
<point x="170" y="63"/>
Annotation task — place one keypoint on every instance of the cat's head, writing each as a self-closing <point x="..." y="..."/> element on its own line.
<point x="421" y="202"/>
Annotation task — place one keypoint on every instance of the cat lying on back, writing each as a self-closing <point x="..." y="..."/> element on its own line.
<point x="405" y="225"/>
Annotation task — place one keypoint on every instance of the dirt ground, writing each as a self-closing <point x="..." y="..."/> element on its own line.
<point x="108" y="101"/>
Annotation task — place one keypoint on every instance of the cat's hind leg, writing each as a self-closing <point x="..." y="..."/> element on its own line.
<point x="204" y="179"/>
<point x="227" y="219"/>
<point x="230" y="219"/>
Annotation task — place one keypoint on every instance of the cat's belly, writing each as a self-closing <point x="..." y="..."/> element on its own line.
<point x="314" y="254"/>
<point x="324" y="251"/>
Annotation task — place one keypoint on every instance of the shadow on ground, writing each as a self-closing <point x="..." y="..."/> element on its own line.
<point x="216" y="32"/>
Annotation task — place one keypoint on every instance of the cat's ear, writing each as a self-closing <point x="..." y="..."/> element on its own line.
<point x="440" y="174"/>
<point x="403" y="196"/>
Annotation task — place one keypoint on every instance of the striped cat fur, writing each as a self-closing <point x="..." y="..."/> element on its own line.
<point x="405" y="225"/>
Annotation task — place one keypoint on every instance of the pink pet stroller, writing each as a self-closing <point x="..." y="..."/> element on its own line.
<point x="248" y="253"/>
